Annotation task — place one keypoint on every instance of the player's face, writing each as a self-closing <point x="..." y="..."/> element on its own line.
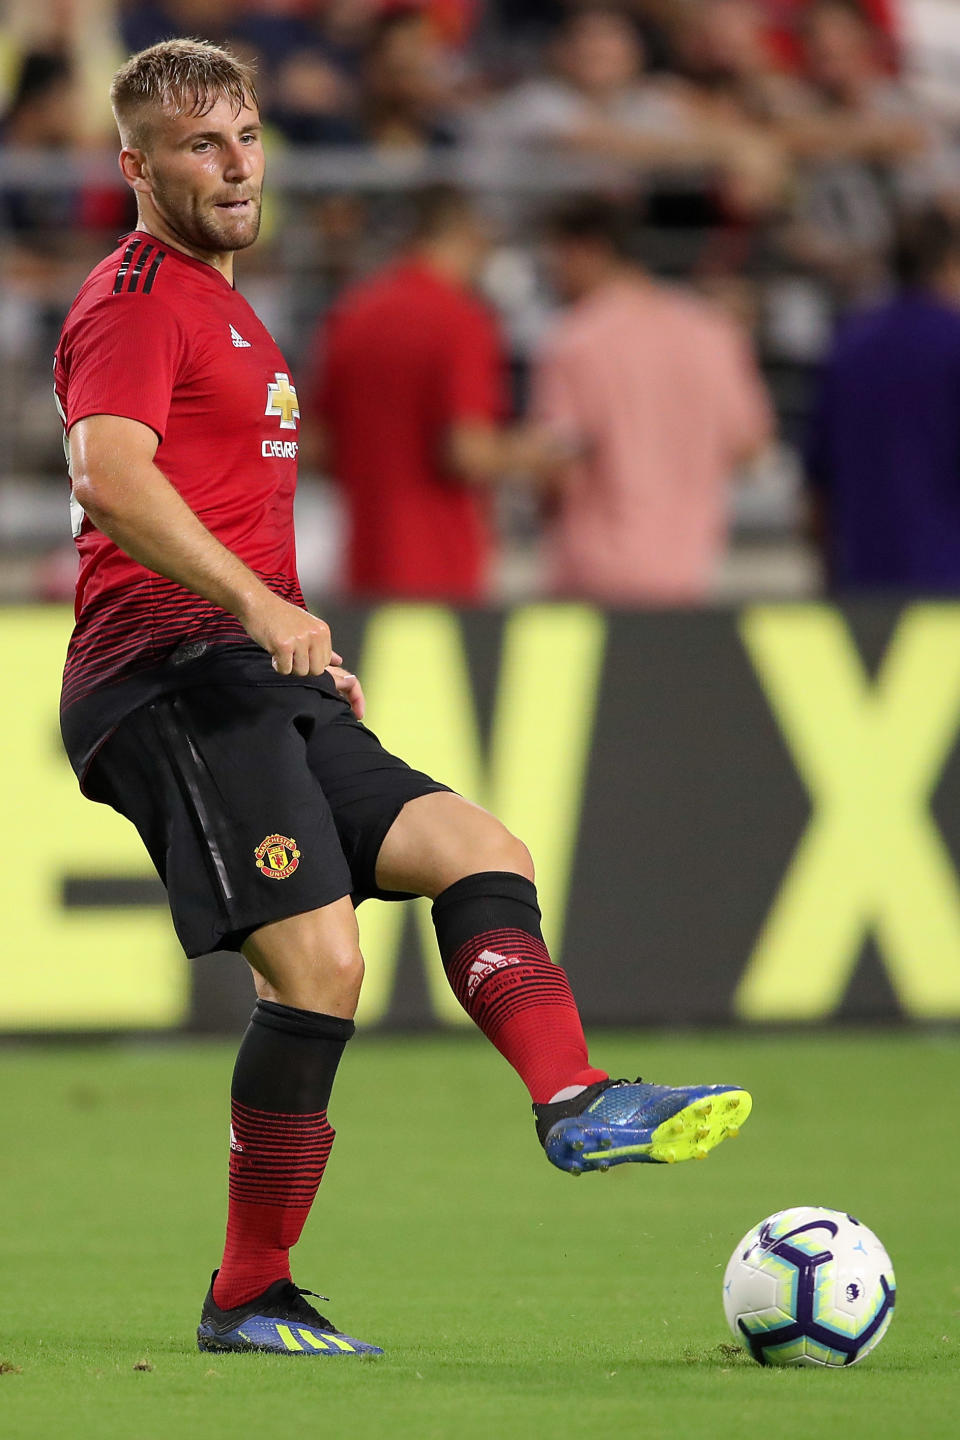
<point x="206" y="176"/>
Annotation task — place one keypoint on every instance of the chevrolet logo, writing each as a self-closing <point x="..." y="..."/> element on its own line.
<point x="282" y="401"/>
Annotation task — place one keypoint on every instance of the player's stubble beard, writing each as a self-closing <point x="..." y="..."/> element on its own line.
<point x="198" y="225"/>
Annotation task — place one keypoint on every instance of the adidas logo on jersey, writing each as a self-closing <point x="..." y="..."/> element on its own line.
<point x="485" y="964"/>
<point x="238" y="341"/>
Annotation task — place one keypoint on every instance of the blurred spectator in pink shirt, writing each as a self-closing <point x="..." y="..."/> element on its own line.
<point x="655" y="392"/>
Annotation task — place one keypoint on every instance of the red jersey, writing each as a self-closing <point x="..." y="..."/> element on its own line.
<point x="403" y="356"/>
<point x="161" y="338"/>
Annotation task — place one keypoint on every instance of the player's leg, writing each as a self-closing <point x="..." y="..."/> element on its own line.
<point x="308" y="972"/>
<point x="487" y="918"/>
<point x="216" y="782"/>
<point x="480" y="878"/>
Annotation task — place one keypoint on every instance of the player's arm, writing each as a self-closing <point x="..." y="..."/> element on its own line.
<point x="481" y="453"/>
<point x="750" y="410"/>
<point x="478" y="448"/>
<point x="126" y="496"/>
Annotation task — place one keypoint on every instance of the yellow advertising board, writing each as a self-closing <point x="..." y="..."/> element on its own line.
<point x="727" y="812"/>
<point x="68" y="968"/>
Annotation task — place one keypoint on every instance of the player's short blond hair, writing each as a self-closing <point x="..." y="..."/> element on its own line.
<point x="182" y="77"/>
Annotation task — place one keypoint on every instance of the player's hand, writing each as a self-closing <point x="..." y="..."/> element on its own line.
<point x="350" y="688"/>
<point x="297" y="642"/>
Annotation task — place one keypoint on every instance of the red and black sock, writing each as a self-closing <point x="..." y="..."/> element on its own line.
<point x="488" y="930"/>
<point x="280" y="1142"/>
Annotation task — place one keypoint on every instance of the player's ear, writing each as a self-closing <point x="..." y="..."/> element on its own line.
<point x="133" y="166"/>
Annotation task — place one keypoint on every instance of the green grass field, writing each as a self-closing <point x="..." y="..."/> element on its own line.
<point x="512" y="1300"/>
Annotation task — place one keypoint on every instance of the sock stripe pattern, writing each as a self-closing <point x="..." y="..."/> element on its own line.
<point x="277" y="1159"/>
<point x="502" y="962"/>
<point x="511" y="989"/>
<point x="276" y="1165"/>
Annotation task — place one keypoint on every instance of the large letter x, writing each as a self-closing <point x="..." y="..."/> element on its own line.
<point x="872" y="858"/>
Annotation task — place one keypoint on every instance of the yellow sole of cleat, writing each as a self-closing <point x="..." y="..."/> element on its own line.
<point x="693" y="1132"/>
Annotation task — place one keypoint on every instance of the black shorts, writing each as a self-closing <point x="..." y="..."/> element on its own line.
<point x="255" y="803"/>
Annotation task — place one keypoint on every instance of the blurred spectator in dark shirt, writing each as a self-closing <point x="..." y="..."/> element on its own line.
<point x="306" y="62"/>
<point x="407" y="409"/>
<point x="405" y="87"/>
<point x="884" y="446"/>
<point x="42" y="116"/>
<point x="43" y="108"/>
<point x="274" y="30"/>
<point x="395" y="93"/>
<point x="535" y="20"/>
<point x="313" y="101"/>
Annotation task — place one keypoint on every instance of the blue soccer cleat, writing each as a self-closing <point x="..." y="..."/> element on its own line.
<point x="618" y="1121"/>
<point x="279" y="1322"/>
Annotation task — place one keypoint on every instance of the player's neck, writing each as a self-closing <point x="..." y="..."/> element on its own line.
<point x="611" y="275"/>
<point x="221" y="261"/>
<point x="450" y="261"/>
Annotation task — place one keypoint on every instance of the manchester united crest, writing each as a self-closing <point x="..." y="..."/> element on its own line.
<point x="277" y="857"/>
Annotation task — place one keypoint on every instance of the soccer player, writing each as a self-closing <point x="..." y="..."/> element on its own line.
<point x="202" y="700"/>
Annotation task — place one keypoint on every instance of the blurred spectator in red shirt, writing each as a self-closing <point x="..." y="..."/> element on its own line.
<point x="406" y="407"/>
<point x="656" y="390"/>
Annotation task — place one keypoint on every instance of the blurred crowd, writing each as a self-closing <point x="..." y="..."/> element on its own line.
<point x="766" y="157"/>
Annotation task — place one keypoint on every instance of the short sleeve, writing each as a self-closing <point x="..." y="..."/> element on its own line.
<point x="123" y="357"/>
<point x="474" y="378"/>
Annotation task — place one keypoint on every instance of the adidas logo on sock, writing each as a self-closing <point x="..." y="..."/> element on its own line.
<point x="238" y="341"/>
<point x="235" y="1145"/>
<point x="485" y="964"/>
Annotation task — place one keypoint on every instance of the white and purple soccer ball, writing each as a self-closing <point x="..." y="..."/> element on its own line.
<point x="809" y="1286"/>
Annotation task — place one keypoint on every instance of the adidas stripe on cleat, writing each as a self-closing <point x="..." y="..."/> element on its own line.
<point x="618" y="1121"/>
<point x="279" y="1322"/>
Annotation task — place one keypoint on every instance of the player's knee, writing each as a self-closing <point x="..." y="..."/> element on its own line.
<point x="344" y="968"/>
<point x="509" y="853"/>
<point x="523" y="860"/>
<point x="326" y="982"/>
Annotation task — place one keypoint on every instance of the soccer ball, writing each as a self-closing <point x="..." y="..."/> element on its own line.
<point x="809" y="1287"/>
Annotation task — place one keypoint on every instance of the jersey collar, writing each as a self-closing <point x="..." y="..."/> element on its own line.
<point x="200" y="266"/>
